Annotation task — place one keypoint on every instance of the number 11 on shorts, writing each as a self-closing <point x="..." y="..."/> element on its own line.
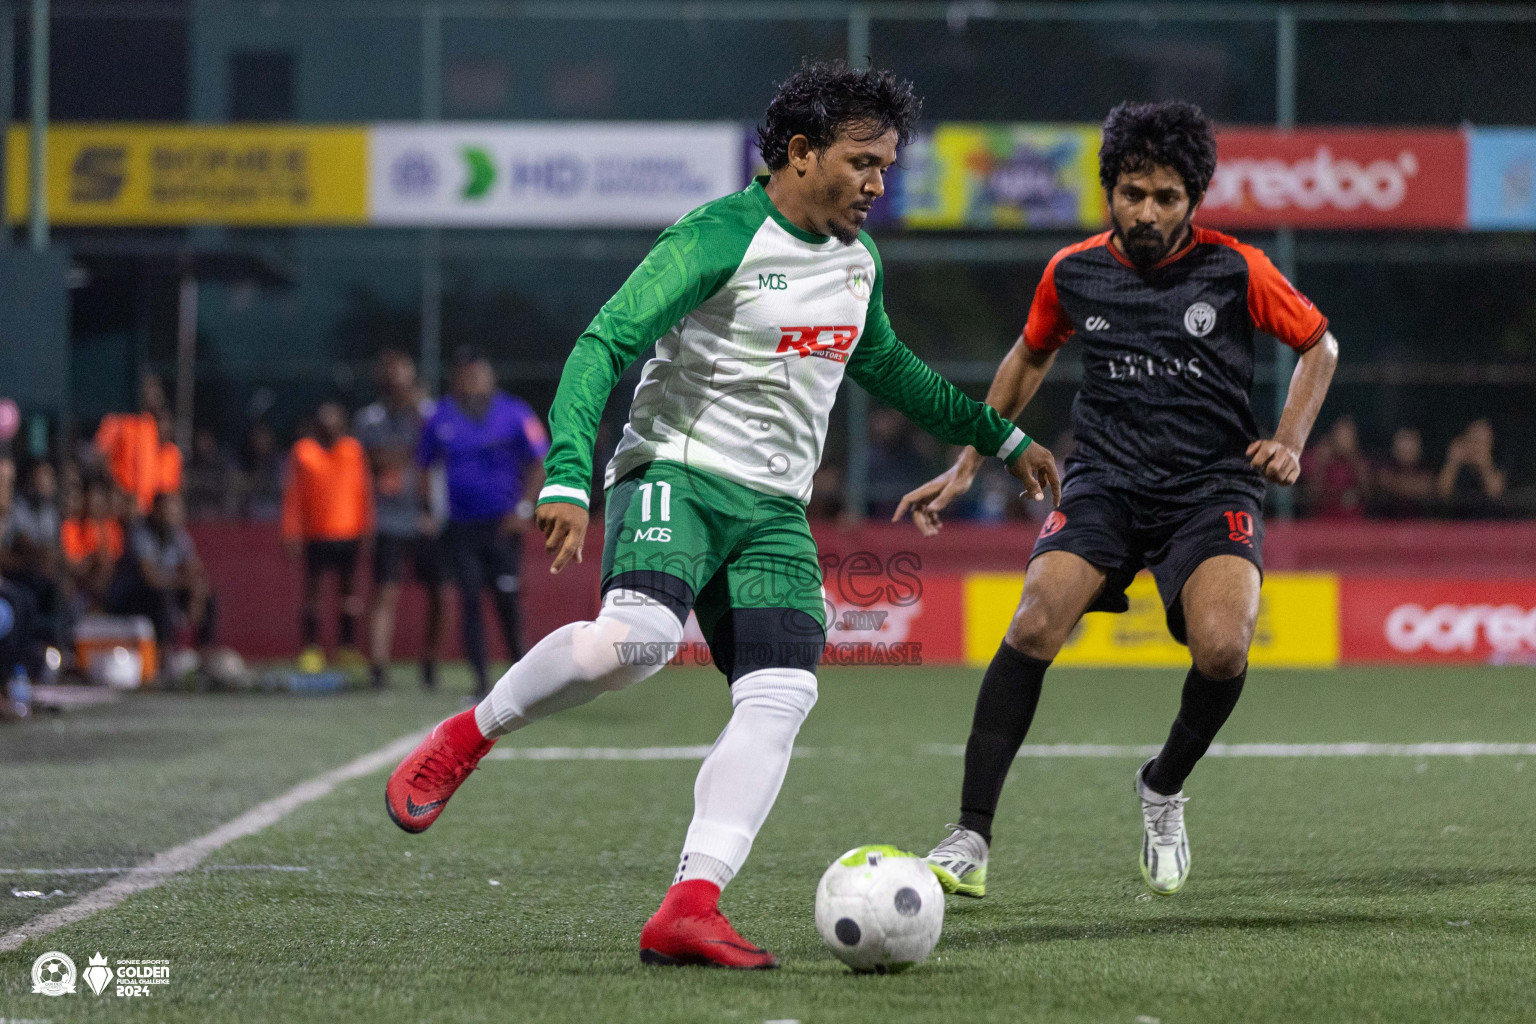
<point x="666" y="501"/>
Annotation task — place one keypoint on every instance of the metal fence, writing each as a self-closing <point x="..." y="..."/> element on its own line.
<point x="1246" y="63"/>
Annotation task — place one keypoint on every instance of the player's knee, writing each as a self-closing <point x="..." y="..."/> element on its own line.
<point x="1220" y="657"/>
<point x="628" y="641"/>
<point x="786" y="692"/>
<point x="1035" y="632"/>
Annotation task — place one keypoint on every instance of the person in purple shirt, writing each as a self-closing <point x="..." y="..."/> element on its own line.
<point x="492" y="447"/>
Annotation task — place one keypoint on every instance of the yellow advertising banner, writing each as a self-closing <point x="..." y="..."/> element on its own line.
<point x="1004" y="176"/>
<point x="1298" y="625"/>
<point x="170" y="175"/>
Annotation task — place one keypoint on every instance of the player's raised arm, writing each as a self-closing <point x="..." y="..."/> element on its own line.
<point x="679" y="273"/>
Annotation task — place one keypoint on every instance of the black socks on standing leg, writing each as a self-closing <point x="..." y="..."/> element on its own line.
<point x="1005" y="707"/>
<point x="1203" y="710"/>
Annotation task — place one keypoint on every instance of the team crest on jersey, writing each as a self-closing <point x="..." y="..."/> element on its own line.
<point x="861" y="281"/>
<point x="1199" y="319"/>
<point x="1053" y="523"/>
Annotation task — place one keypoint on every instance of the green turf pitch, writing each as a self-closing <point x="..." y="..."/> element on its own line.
<point x="1322" y="889"/>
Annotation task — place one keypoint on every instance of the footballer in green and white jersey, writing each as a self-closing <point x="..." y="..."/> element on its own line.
<point x="757" y="304"/>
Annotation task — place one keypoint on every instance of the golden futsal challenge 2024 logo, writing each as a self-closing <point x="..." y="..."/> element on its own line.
<point x="54" y="974"/>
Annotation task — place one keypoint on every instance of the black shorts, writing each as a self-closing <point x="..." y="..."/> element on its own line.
<point x="391" y="554"/>
<point x="339" y="556"/>
<point x="1121" y="533"/>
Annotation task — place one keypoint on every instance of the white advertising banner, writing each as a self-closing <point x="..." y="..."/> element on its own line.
<point x="532" y="174"/>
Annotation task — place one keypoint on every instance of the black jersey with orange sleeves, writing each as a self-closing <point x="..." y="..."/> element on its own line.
<point x="1168" y="359"/>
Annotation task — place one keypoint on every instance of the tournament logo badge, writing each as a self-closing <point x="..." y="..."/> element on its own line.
<point x="97" y="974"/>
<point x="1199" y="319"/>
<point x="53" y="974"/>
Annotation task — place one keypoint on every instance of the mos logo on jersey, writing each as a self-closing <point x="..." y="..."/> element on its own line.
<point x="1199" y="319"/>
<point x="823" y="342"/>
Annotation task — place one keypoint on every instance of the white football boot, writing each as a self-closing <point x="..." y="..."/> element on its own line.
<point x="1164" y="843"/>
<point x="960" y="862"/>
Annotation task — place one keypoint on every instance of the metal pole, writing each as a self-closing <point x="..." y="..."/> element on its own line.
<point x="1285" y="238"/>
<point x="39" y="183"/>
<point x="431" y="238"/>
<point x="856" y="489"/>
<point x="7" y="111"/>
<point x="186" y="354"/>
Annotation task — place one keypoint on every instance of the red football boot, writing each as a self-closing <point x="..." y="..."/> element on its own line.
<point x="419" y="787"/>
<point x="689" y="929"/>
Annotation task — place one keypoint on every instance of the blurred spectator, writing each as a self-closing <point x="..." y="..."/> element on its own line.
<point x="30" y="551"/>
<point x="16" y="653"/>
<point x="261" y="471"/>
<point x="1405" y="487"/>
<point x="92" y="541"/>
<point x="161" y="578"/>
<point x="492" y="446"/>
<point x="897" y="463"/>
<point x="389" y="430"/>
<point x="167" y="456"/>
<point x="826" y="493"/>
<point x="1469" y="482"/>
<point x="327" y="509"/>
<point x="131" y="444"/>
<point x="210" y="486"/>
<point x="1335" y="476"/>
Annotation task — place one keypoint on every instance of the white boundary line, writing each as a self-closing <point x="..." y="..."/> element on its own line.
<point x="145" y="870"/>
<point x="611" y="753"/>
<point x="1269" y="750"/>
<point x="190" y="854"/>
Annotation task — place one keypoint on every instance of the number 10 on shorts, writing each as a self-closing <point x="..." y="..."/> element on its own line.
<point x="1240" y="527"/>
<point x="666" y="501"/>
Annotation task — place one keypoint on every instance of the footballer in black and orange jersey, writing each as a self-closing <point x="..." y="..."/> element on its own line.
<point x="1169" y="471"/>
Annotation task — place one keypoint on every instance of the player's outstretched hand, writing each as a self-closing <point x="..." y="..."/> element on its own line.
<point x="1276" y="461"/>
<point x="927" y="501"/>
<point x="565" y="530"/>
<point x="1037" y="468"/>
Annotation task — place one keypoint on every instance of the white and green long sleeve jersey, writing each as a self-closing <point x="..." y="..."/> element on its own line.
<point x="754" y="321"/>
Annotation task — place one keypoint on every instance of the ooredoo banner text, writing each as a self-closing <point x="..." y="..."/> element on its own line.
<point x="1338" y="178"/>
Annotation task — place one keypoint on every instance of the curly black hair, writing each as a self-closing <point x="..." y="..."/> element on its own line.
<point x="1172" y="134"/>
<point x="825" y="99"/>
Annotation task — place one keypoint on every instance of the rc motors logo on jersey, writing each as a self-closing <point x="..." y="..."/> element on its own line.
<point x="823" y="342"/>
<point x="53" y="974"/>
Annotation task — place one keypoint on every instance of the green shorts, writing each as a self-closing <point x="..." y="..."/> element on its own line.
<point x="698" y="540"/>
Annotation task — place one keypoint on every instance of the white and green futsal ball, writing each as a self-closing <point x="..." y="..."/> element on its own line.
<point x="879" y="909"/>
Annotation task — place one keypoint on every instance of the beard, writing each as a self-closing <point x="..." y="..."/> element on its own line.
<point x="837" y="198"/>
<point x="1145" y="246"/>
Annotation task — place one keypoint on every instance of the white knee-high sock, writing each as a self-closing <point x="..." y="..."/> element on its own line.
<point x="741" y="776"/>
<point x="631" y="639"/>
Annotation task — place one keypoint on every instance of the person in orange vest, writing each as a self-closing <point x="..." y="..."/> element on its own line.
<point x="130" y="443"/>
<point x="327" y="511"/>
<point x="167" y="456"/>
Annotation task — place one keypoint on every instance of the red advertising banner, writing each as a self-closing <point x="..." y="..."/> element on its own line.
<point x="1338" y="178"/>
<point x="1436" y="620"/>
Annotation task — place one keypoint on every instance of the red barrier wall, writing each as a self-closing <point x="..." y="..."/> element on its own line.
<point x="259" y="587"/>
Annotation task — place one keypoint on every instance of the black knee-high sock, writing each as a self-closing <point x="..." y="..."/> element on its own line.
<point x="1203" y="710"/>
<point x="1010" y="689"/>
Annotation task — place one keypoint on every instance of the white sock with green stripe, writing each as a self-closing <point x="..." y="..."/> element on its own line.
<point x="740" y="778"/>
